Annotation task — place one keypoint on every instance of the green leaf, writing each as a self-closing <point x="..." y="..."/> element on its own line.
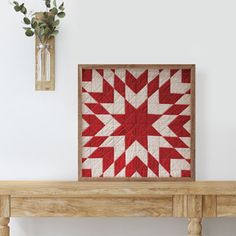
<point x="42" y="24"/>
<point x="45" y="14"/>
<point x="41" y="31"/>
<point x="34" y="23"/>
<point x="54" y="11"/>
<point x="56" y="23"/>
<point x="55" y="32"/>
<point x="26" y="20"/>
<point x="46" y="31"/>
<point x="33" y="20"/>
<point x="51" y="19"/>
<point x="61" y="7"/>
<point x="48" y="3"/>
<point x="17" y="8"/>
<point x="61" y="14"/>
<point x="21" y="6"/>
<point x="54" y="3"/>
<point x="24" y="10"/>
<point x="26" y="28"/>
<point x="29" y="32"/>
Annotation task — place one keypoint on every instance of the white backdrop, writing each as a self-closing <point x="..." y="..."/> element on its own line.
<point x="38" y="134"/>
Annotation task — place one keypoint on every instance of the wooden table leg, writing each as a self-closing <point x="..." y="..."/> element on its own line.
<point x="4" y="215"/>
<point x="195" y="227"/>
<point x="4" y="228"/>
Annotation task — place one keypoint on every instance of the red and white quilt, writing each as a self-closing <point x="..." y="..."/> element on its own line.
<point x="136" y="122"/>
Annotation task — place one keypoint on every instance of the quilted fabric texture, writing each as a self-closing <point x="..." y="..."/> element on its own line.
<point x="136" y="123"/>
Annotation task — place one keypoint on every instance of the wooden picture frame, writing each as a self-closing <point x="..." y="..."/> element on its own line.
<point x="164" y="67"/>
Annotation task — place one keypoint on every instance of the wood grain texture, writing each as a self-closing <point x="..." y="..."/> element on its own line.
<point x="180" y="205"/>
<point x="5" y="206"/>
<point x="133" y="66"/>
<point x="4" y="215"/>
<point x="152" y="207"/>
<point x="115" y="189"/>
<point x="194" y="206"/>
<point x="148" y="66"/>
<point x="209" y="206"/>
<point x="226" y="206"/>
<point x="95" y="199"/>
<point x="79" y="121"/>
<point x="187" y="206"/>
<point x="194" y="227"/>
<point x="193" y="122"/>
<point x="4" y="228"/>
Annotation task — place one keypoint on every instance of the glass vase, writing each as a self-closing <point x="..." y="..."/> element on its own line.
<point x="43" y="62"/>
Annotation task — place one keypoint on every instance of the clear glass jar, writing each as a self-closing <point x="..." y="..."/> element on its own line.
<point x="43" y="62"/>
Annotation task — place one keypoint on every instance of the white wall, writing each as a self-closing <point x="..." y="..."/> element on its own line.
<point x="38" y="129"/>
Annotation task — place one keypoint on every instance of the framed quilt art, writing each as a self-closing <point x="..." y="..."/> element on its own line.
<point x="137" y="122"/>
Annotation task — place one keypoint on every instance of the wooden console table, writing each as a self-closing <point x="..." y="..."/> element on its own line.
<point x="194" y="200"/>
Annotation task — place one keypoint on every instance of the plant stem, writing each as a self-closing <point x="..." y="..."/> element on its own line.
<point x="36" y="33"/>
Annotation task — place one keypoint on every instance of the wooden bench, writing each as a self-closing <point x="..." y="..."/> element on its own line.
<point x="194" y="200"/>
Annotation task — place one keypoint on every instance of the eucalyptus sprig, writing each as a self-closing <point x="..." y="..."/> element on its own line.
<point x="44" y="25"/>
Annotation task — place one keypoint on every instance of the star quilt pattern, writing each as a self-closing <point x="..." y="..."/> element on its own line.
<point x="136" y="122"/>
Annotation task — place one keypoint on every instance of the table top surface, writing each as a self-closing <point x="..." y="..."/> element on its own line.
<point x="115" y="189"/>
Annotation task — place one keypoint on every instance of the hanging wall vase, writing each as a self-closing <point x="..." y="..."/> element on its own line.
<point x="44" y="26"/>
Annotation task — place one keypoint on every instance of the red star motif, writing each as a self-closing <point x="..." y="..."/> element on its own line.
<point x="136" y="124"/>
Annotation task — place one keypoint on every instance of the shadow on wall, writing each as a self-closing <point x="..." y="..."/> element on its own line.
<point x="117" y="226"/>
<point x="98" y="226"/>
<point x="201" y="124"/>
